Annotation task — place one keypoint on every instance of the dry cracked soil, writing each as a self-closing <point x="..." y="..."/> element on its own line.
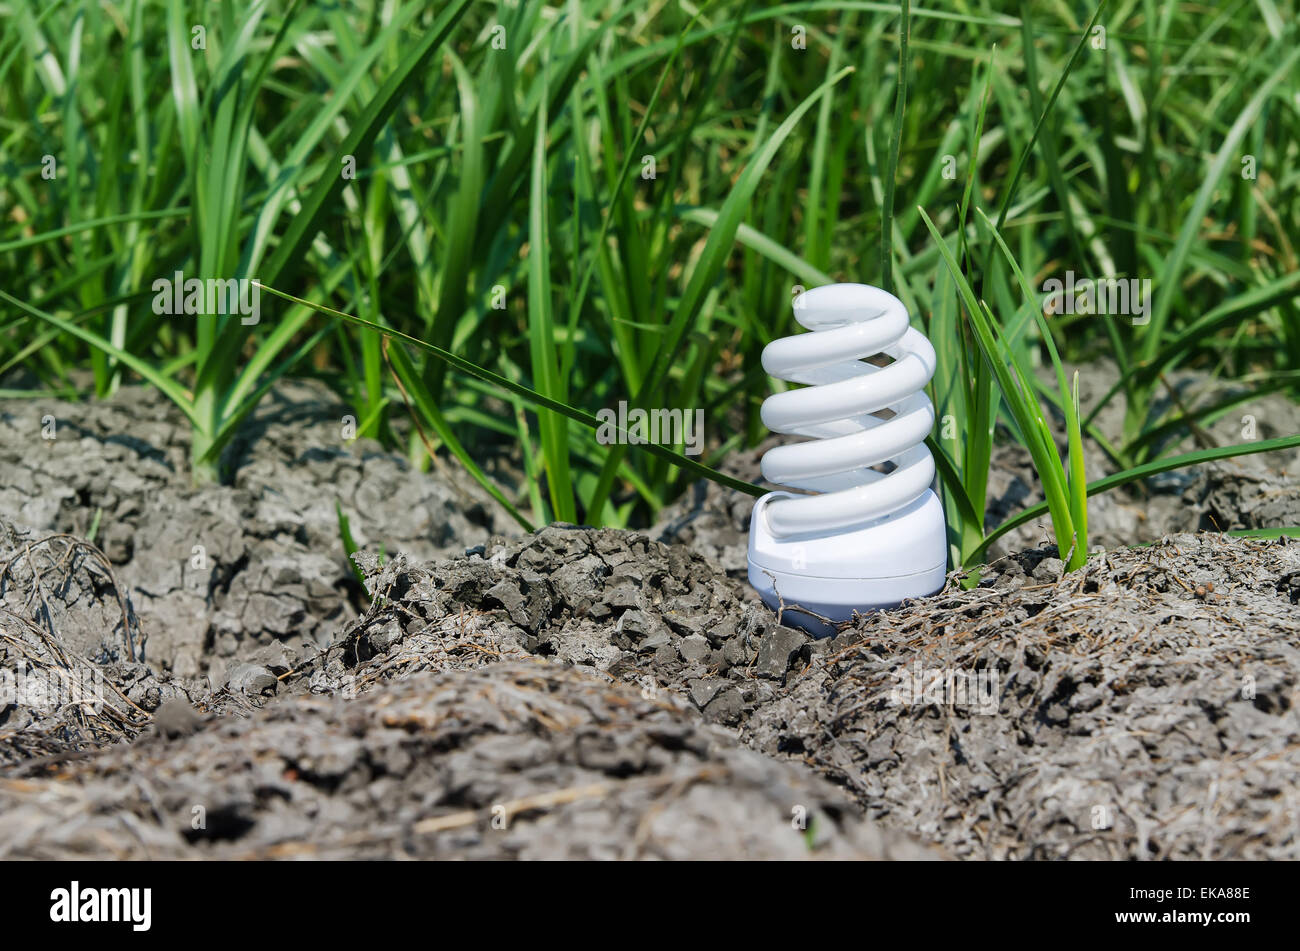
<point x="189" y="673"/>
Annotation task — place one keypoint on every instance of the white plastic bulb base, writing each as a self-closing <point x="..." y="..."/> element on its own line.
<point x="859" y="569"/>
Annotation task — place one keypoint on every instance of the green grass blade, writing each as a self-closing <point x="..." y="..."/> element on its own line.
<point x="1144" y="471"/>
<point x="170" y="388"/>
<point x="362" y="135"/>
<point x="716" y="249"/>
<point x="530" y="396"/>
<point x="895" y="144"/>
<point x="541" y="335"/>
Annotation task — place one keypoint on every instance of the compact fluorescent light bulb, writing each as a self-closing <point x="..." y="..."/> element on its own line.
<point x="867" y="539"/>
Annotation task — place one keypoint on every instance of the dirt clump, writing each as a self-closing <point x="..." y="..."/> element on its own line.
<point x="657" y="615"/>
<point x="1142" y="707"/>
<point x="515" y="760"/>
<point x="70" y="675"/>
<point x="222" y="570"/>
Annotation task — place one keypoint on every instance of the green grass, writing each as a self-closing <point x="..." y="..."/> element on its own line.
<point x="470" y="235"/>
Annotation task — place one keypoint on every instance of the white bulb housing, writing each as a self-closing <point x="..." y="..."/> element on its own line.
<point x="866" y="539"/>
